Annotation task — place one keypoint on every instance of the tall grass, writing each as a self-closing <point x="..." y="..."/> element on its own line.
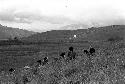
<point x="106" y="67"/>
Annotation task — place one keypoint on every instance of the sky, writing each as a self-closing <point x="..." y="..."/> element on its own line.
<point x="45" y="15"/>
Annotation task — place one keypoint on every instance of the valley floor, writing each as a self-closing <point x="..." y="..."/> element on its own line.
<point x="107" y="65"/>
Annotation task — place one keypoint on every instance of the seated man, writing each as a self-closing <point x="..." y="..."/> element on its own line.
<point x="45" y="60"/>
<point x="62" y="55"/>
<point x="86" y="52"/>
<point x="39" y="62"/>
<point x="11" y="70"/>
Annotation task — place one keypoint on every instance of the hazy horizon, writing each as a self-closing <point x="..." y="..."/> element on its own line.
<point x="46" y="15"/>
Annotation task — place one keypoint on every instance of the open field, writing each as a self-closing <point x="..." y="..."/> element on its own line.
<point x="107" y="68"/>
<point x="20" y="55"/>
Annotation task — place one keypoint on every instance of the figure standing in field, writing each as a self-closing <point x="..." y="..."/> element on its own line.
<point x="92" y="51"/>
<point x="71" y="53"/>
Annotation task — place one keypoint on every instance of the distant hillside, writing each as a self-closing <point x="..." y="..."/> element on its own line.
<point x="91" y="34"/>
<point x="9" y="32"/>
<point x="55" y="36"/>
<point x="105" y="33"/>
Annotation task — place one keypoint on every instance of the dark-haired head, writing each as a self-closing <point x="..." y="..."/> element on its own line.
<point x="92" y="50"/>
<point x="86" y="52"/>
<point x="71" y="48"/>
<point x="45" y="58"/>
<point x="11" y="70"/>
<point x="62" y="54"/>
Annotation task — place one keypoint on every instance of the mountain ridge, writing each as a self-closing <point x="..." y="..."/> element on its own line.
<point x="10" y="32"/>
<point x="90" y="34"/>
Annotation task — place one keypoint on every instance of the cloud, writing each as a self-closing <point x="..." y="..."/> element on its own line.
<point x="30" y="17"/>
<point x="10" y="16"/>
<point x="51" y="14"/>
<point x="102" y="16"/>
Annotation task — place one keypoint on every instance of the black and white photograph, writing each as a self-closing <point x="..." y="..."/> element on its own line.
<point x="62" y="41"/>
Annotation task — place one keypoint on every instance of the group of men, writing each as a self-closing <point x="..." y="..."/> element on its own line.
<point x="71" y="55"/>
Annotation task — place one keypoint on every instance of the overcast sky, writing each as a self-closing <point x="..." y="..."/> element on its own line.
<point x="44" y="15"/>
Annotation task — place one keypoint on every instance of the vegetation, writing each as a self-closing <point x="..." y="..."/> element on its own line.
<point x="107" y="66"/>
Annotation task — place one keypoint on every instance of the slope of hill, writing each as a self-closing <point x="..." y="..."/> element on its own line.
<point x="9" y="32"/>
<point x="115" y="32"/>
<point x="91" y="34"/>
<point x="54" y="36"/>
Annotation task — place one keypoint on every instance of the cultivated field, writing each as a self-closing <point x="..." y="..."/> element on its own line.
<point x="107" y="66"/>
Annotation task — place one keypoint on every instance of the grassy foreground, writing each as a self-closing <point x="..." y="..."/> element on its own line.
<point x="107" y="67"/>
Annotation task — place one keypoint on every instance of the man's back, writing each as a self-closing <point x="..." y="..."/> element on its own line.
<point x="71" y="55"/>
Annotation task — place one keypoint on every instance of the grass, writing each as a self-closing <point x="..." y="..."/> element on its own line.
<point x="107" y="66"/>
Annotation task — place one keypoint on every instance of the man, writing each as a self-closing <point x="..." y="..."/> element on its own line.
<point x="11" y="70"/>
<point x="62" y="55"/>
<point x="39" y="62"/>
<point x="86" y="52"/>
<point x="45" y="60"/>
<point x="91" y="51"/>
<point x="71" y="54"/>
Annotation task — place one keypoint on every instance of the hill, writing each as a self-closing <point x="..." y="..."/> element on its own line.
<point x="9" y="32"/>
<point x="106" y="33"/>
